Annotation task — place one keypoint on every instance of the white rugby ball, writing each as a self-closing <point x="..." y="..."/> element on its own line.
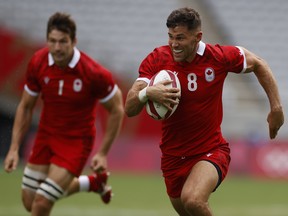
<point x="156" y="110"/>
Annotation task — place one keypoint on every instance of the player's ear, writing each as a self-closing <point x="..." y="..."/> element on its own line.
<point x="199" y="36"/>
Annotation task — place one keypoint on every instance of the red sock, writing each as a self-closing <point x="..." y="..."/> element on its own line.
<point x="94" y="185"/>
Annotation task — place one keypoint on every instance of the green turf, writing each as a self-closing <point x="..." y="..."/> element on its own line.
<point x="240" y="196"/>
<point x="144" y="194"/>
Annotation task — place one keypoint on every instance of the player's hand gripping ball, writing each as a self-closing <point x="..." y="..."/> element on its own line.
<point x="156" y="110"/>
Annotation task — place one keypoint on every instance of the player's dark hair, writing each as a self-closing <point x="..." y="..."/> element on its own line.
<point x="184" y="17"/>
<point x="62" y="22"/>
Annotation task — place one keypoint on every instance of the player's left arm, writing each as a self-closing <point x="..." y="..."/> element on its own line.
<point x="267" y="80"/>
<point x="115" y="109"/>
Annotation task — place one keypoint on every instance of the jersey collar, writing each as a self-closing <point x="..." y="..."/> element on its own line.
<point x="201" y="48"/>
<point x="72" y="63"/>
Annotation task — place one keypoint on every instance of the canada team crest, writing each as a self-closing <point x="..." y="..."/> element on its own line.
<point x="46" y="80"/>
<point x="209" y="74"/>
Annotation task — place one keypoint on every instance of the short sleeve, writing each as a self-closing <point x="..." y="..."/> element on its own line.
<point x="32" y="85"/>
<point x="148" y="66"/>
<point x="235" y="59"/>
<point x="104" y="86"/>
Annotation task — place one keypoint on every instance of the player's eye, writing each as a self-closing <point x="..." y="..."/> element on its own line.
<point x="181" y="38"/>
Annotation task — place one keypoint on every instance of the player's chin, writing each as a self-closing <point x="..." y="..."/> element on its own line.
<point x="58" y="56"/>
<point x="178" y="58"/>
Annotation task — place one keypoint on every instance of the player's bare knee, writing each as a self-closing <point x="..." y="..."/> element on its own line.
<point x="192" y="202"/>
<point x="42" y="204"/>
<point x="193" y="205"/>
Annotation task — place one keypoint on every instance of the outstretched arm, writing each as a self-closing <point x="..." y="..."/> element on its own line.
<point x="267" y="80"/>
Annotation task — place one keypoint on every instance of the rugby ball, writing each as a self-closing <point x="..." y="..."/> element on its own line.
<point x="156" y="110"/>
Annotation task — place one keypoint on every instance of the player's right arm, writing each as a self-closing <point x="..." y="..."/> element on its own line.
<point x="133" y="105"/>
<point x="22" y="123"/>
<point x="136" y="100"/>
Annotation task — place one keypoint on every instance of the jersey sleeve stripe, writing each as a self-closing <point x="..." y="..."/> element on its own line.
<point x="30" y="92"/>
<point x="143" y="79"/>
<point x="109" y="96"/>
<point x="244" y="60"/>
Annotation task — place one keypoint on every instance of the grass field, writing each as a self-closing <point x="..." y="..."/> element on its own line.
<point x="144" y="194"/>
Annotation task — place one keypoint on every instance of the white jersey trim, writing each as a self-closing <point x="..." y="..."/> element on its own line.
<point x="201" y="48"/>
<point x="143" y="79"/>
<point x="72" y="63"/>
<point x="30" y="92"/>
<point x="109" y="96"/>
<point x="244" y="61"/>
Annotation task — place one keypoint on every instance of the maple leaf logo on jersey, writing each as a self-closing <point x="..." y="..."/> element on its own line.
<point x="77" y="85"/>
<point x="209" y="74"/>
<point x="46" y="80"/>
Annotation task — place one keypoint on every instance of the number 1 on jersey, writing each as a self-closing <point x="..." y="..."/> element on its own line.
<point x="61" y="84"/>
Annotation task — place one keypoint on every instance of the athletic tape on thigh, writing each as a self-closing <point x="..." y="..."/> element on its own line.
<point x="32" y="179"/>
<point x="50" y="190"/>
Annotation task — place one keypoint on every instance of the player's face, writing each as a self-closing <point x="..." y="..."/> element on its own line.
<point x="61" y="47"/>
<point x="183" y="43"/>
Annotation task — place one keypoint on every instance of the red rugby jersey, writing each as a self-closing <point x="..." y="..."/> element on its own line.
<point x="195" y="127"/>
<point x="70" y="95"/>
